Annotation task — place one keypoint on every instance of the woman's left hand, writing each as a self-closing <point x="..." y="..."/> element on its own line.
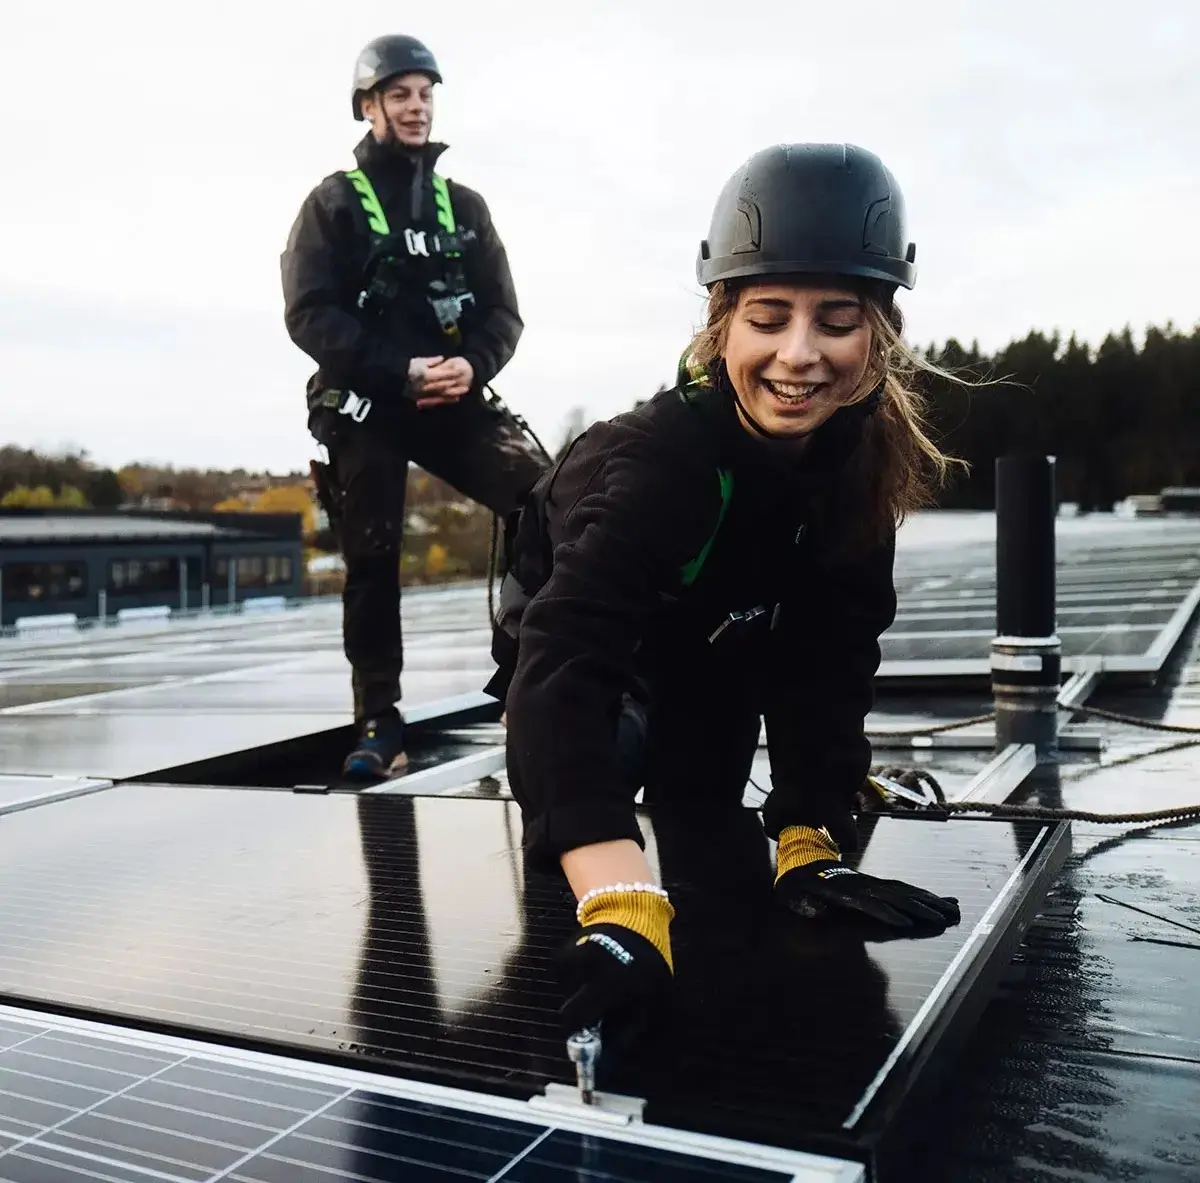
<point x="826" y="884"/>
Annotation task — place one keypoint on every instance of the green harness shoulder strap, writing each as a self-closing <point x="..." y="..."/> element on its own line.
<point x="377" y="219"/>
<point x="443" y="205"/>
<point x="692" y="380"/>
<point x="691" y="571"/>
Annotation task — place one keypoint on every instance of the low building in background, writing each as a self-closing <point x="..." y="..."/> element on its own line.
<point x="102" y="564"/>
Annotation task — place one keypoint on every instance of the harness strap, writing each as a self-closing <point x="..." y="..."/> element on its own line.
<point x="377" y="219"/>
<point x="691" y="571"/>
<point x="369" y="199"/>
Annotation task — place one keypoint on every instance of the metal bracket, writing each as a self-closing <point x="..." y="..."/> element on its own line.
<point x="922" y="798"/>
<point x="605" y="1108"/>
<point x="446" y="779"/>
<point x="997" y="781"/>
<point x="1080" y="686"/>
<point x="1069" y="739"/>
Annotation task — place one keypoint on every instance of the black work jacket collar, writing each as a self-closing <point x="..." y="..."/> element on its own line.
<point x="394" y="159"/>
<point x="391" y="164"/>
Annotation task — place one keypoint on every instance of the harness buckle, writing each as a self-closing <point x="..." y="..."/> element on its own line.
<point x="449" y="309"/>
<point x="354" y="406"/>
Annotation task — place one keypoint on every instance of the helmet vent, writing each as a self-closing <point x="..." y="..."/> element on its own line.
<point x="748" y="233"/>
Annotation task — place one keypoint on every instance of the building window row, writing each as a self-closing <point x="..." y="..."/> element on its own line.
<point x="36" y="583"/>
<point x="32" y="583"/>
<point x="257" y="570"/>
<point x="137" y="576"/>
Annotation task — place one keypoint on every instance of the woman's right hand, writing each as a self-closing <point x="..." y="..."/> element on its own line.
<point x="614" y="975"/>
<point x="619" y="964"/>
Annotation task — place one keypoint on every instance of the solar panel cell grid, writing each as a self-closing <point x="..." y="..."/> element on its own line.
<point x="125" y="1114"/>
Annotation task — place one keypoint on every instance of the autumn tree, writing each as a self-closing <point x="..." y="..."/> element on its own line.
<point x="23" y="497"/>
<point x="289" y="499"/>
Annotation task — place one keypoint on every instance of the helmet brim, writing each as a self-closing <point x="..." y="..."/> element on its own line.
<point x="896" y="272"/>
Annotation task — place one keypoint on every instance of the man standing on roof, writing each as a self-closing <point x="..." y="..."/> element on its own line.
<point x="397" y="285"/>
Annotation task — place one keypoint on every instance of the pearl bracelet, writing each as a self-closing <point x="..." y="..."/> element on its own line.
<point x="649" y="888"/>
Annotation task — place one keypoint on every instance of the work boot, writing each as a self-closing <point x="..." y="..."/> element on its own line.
<point x="380" y="750"/>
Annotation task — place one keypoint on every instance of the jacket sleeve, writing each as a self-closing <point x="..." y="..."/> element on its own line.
<point x="816" y="737"/>
<point x="319" y="291"/>
<point x="622" y="544"/>
<point x="492" y="338"/>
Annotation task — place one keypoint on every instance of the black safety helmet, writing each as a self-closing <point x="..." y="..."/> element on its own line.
<point x="384" y="58"/>
<point x="828" y="209"/>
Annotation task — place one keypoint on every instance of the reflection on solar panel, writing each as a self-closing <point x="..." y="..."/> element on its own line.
<point x="406" y="932"/>
<point x="93" y="1104"/>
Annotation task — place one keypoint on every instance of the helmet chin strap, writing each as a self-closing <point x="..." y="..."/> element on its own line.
<point x="389" y="138"/>
<point x="774" y="436"/>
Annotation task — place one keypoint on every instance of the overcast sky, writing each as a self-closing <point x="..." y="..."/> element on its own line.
<point x="154" y="156"/>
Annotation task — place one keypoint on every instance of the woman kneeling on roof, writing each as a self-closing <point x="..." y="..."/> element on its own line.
<point x="723" y="556"/>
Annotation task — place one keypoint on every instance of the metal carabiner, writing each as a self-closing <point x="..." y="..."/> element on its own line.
<point x="735" y="618"/>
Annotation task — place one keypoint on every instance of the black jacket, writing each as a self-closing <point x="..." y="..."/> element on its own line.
<point x="325" y="262"/>
<point x="603" y="545"/>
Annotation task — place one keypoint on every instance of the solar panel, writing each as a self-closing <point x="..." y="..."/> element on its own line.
<point x="117" y="703"/>
<point x="80" y="1105"/>
<point x="24" y="792"/>
<point x="1116" y="596"/>
<point x="406" y="932"/>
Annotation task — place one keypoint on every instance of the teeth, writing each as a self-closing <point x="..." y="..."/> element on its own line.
<point x="792" y="390"/>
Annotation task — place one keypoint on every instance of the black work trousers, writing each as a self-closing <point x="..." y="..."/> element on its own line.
<point x="474" y="445"/>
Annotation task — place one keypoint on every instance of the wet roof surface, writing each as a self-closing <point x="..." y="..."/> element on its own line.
<point x="1087" y="1064"/>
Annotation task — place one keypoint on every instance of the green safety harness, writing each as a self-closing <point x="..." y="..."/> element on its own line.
<point x="413" y="261"/>
<point x="423" y="269"/>
<point x="691" y="380"/>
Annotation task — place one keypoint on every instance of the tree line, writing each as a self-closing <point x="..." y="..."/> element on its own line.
<point x="1121" y="419"/>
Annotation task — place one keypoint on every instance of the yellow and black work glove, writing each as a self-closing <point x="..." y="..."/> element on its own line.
<point x="812" y="880"/>
<point x="618" y="967"/>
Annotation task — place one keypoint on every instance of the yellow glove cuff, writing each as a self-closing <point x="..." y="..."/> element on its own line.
<point x="800" y="845"/>
<point x="647" y="914"/>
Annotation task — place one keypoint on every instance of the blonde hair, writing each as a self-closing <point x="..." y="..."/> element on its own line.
<point x="898" y="468"/>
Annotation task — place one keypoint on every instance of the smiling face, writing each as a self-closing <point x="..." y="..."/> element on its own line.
<point x="796" y="352"/>
<point x="402" y="108"/>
